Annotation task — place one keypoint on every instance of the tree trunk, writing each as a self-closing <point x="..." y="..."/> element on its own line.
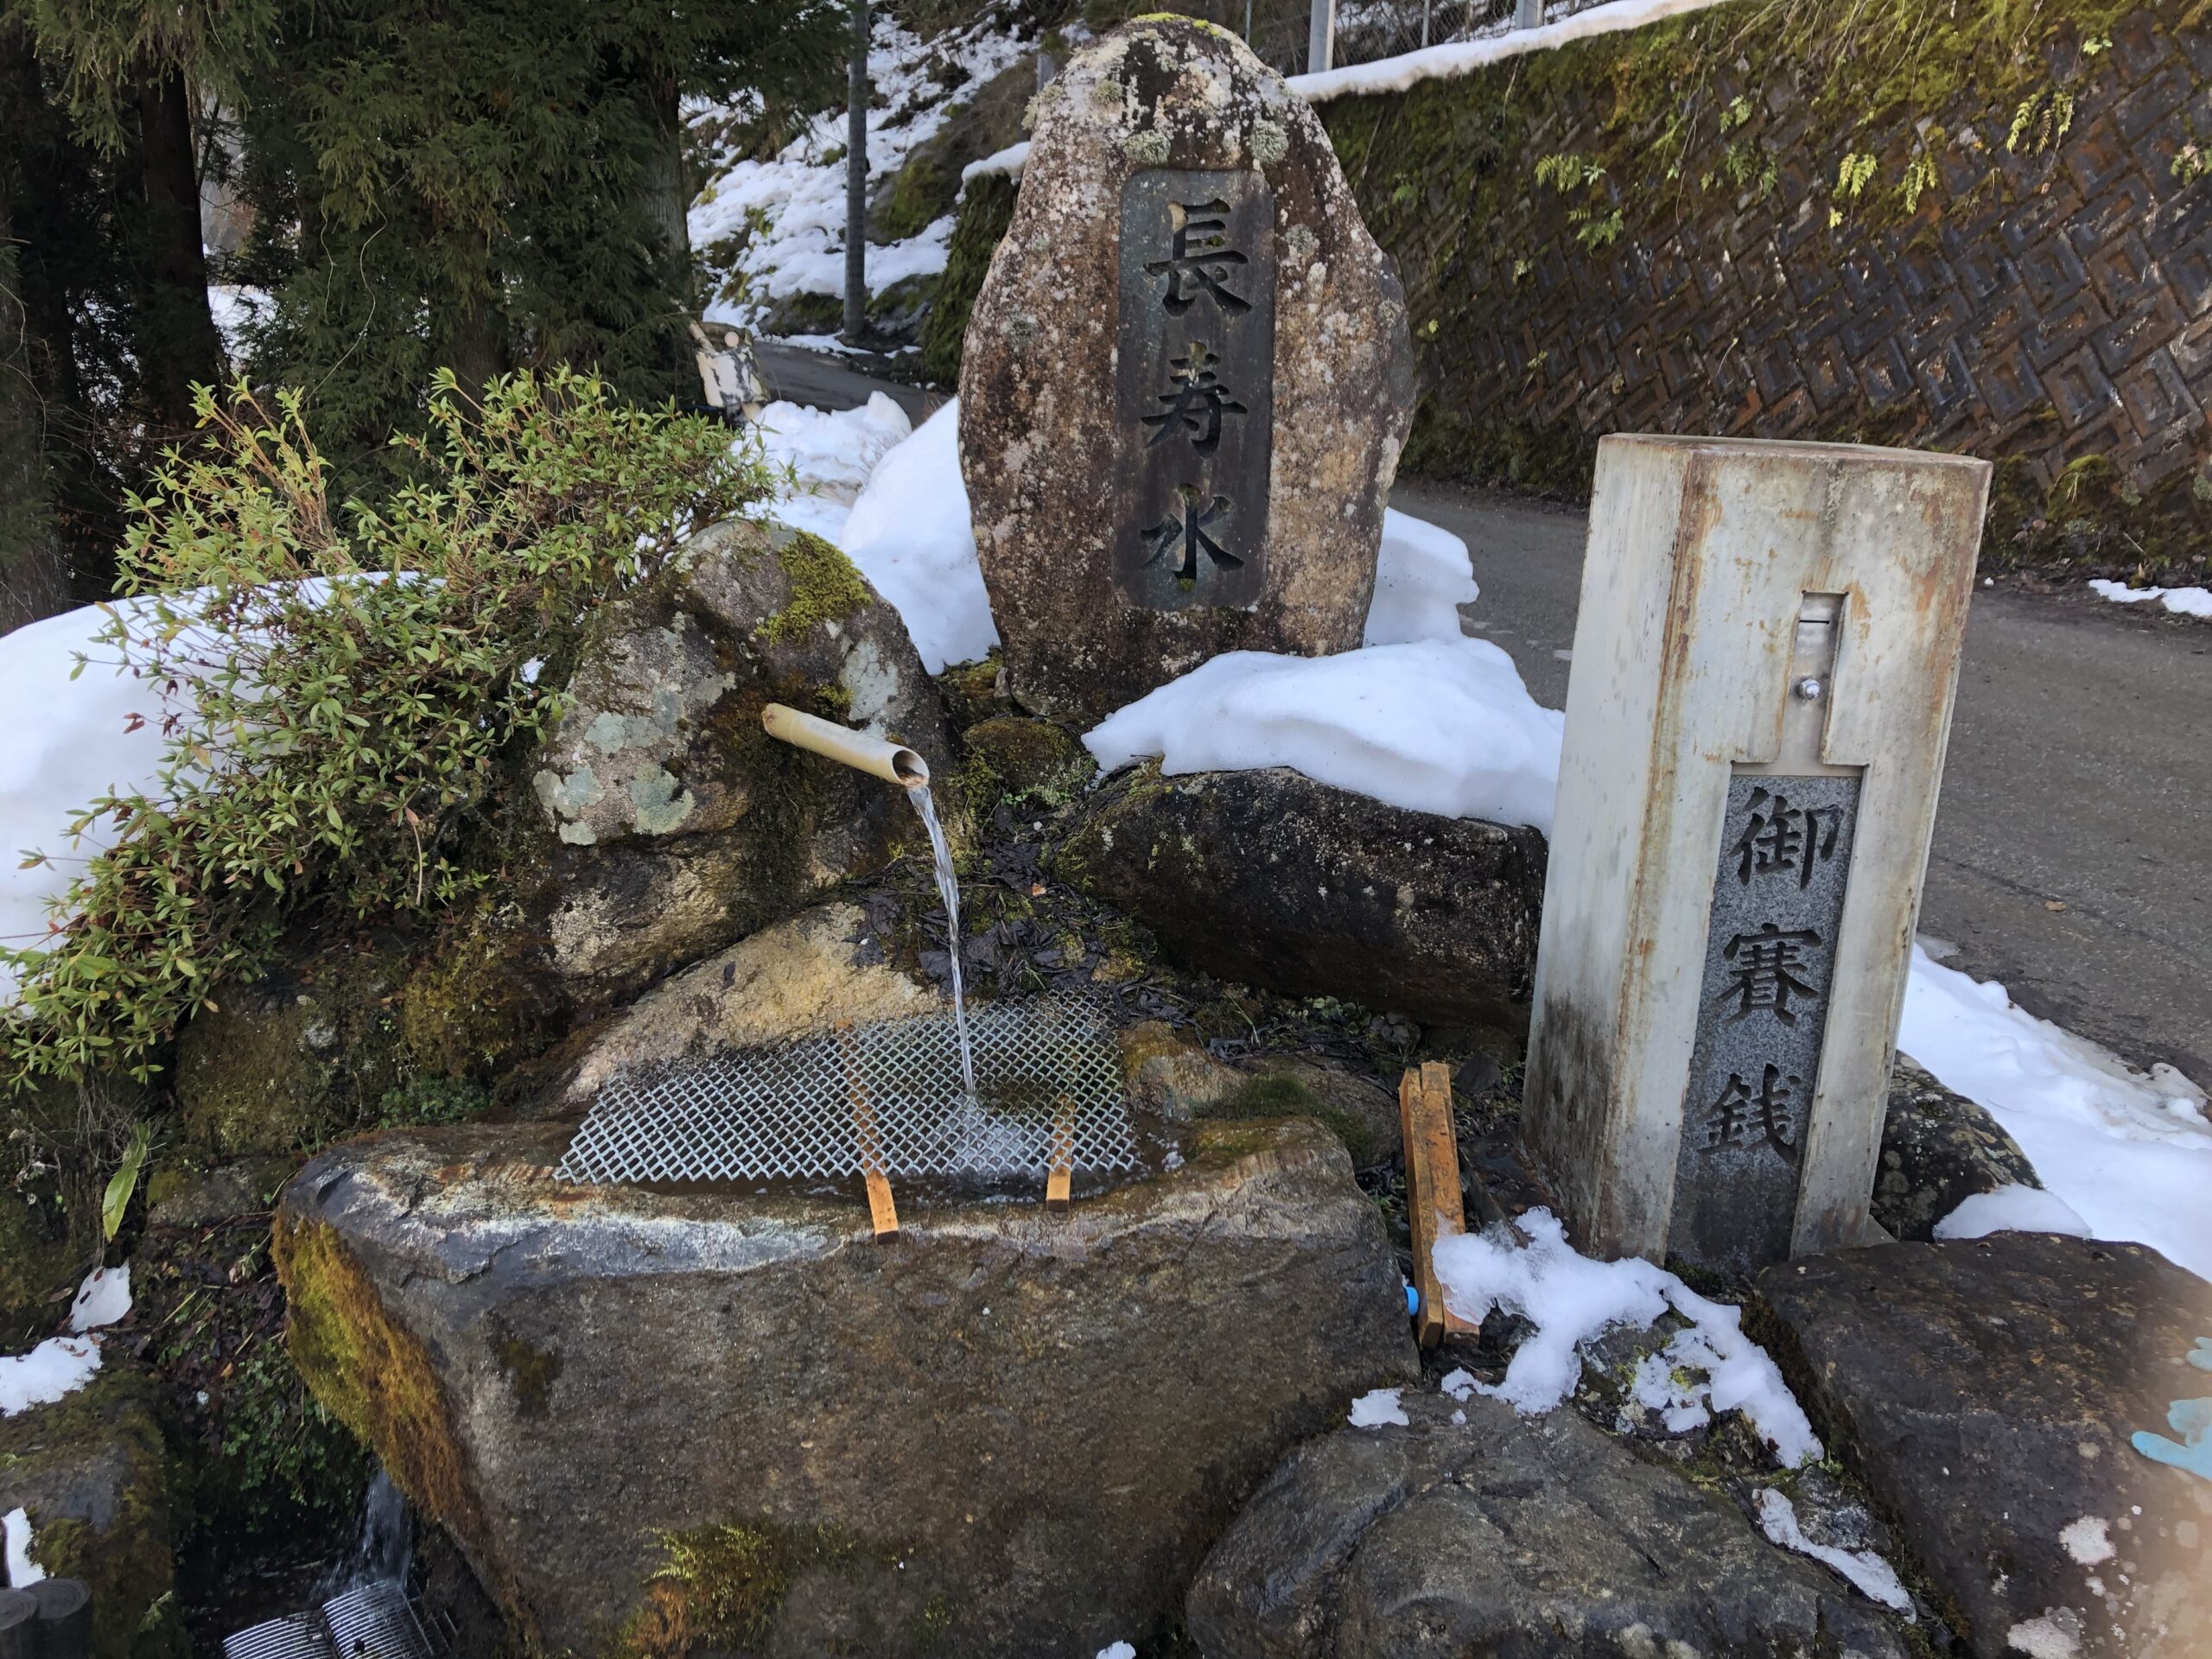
<point x="668" y="207"/>
<point x="179" y="344"/>
<point x="34" y="566"/>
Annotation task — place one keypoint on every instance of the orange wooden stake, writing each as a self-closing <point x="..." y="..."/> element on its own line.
<point x="881" y="1210"/>
<point x="1433" y="1202"/>
<point x="1056" y="1181"/>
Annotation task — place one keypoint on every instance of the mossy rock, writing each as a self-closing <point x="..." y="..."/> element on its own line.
<point x="1024" y="760"/>
<point x="38" y="1268"/>
<point x="91" y="1472"/>
<point x="372" y="1373"/>
<point x="285" y="1064"/>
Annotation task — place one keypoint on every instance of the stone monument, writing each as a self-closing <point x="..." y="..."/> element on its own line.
<point x="1765" y="662"/>
<point x="1186" y="380"/>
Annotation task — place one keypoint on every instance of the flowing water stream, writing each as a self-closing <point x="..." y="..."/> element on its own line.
<point x="948" y="889"/>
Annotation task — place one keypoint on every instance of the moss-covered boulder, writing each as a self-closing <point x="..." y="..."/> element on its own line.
<point x="669" y="824"/>
<point x="732" y="1422"/>
<point x="1029" y="762"/>
<point x="90" y="1472"/>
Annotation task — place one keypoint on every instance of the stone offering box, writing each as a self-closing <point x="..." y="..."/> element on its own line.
<point x="1764" y="668"/>
<point x="1186" y="380"/>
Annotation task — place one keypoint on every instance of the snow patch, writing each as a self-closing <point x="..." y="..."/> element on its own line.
<point x="786" y="215"/>
<point x="832" y="452"/>
<point x="911" y="536"/>
<point x="2056" y="1634"/>
<point x="2182" y="601"/>
<point x="1118" y="1650"/>
<point x="1422" y="575"/>
<point x="55" y="1369"/>
<point x="1378" y="1407"/>
<point x="2012" y="1210"/>
<point x="1572" y="1299"/>
<point x="1441" y="726"/>
<point x="1868" y="1573"/>
<point x="82" y="747"/>
<point x="2130" y="1153"/>
<point x="22" y="1572"/>
<point x="2088" y="1539"/>
<point x="103" y="1300"/>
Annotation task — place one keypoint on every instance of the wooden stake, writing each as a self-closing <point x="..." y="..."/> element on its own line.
<point x="1063" y="1170"/>
<point x="881" y="1210"/>
<point x="1433" y="1202"/>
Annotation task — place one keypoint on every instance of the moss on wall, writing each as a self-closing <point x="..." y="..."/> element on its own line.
<point x="986" y="210"/>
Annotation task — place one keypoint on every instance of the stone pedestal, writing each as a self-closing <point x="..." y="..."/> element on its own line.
<point x="1765" y="662"/>
<point x="1012" y="1432"/>
<point x="1186" y="380"/>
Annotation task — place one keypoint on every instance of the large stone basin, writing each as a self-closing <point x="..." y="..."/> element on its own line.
<point x="722" y="1422"/>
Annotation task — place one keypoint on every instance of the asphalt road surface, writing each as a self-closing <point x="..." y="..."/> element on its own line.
<point x="2073" y="851"/>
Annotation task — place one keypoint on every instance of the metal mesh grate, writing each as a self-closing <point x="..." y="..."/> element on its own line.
<point x="1047" y="1074"/>
<point x="377" y="1621"/>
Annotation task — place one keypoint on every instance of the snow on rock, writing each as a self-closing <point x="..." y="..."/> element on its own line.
<point x="2183" y="601"/>
<point x="1872" y="1577"/>
<point x="1442" y="726"/>
<point x="57" y="1367"/>
<point x="1572" y="1300"/>
<point x="103" y="1300"/>
<point x="2012" y="1210"/>
<point x="910" y="536"/>
<point x="1118" y="1650"/>
<point x="22" y="1572"/>
<point x="1422" y="575"/>
<point x="797" y="197"/>
<point x="1377" y="1406"/>
<point x="79" y="747"/>
<point x="2130" y="1153"/>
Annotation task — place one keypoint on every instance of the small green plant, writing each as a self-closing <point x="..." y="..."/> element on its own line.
<point x="338" y="685"/>
<point x="2042" y="119"/>
<point x="2191" y="164"/>
<point x="1920" y="177"/>
<point x="116" y="1201"/>
<point x="1851" y="175"/>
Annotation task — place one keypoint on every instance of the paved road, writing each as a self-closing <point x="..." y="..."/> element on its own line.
<point x="2079" y="771"/>
<point x="2080" y="774"/>
<point x="823" y="382"/>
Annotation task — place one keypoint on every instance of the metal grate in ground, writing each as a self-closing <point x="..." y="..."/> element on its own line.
<point x="1048" y="1079"/>
<point x="378" y="1621"/>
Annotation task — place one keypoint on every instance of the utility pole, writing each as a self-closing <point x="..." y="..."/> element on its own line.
<point x="1321" y="36"/>
<point x="856" y="179"/>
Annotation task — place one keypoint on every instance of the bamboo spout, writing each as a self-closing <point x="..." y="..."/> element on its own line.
<point x="892" y="762"/>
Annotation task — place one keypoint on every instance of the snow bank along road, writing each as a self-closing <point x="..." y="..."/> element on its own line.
<point x="2071" y="860"/>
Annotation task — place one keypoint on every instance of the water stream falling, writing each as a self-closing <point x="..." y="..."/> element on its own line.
<point x="948" y="889"/>
<point x="386" y="1548"/>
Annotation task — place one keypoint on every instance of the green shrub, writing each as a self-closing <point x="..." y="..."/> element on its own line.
<point x="339" y="685"/>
